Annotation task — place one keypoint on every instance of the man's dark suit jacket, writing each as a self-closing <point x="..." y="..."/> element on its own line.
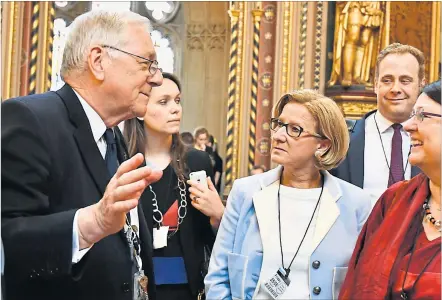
<point x="352" y="168"/>
<point x="51" y="167"/>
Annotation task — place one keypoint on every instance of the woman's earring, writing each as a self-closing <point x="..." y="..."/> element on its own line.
<point x="318" y="154"/>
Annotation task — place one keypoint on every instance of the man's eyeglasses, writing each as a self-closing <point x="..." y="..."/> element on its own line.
<point x="420" y="114"/>
<point x="292" y="130"/>
<point x="153" y="64"/>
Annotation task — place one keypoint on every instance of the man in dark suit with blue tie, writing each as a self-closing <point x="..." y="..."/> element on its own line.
<point x="71" y="225"/>
<point x="379" y="147"/>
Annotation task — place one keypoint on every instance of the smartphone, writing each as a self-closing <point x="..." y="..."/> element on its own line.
<point x="199" y="177"/>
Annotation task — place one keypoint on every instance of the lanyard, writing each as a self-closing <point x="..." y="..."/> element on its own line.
<point x="134" y="242"/>
<point x="287" y="270"/>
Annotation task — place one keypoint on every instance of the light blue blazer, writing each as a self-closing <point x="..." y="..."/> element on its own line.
<point x="239" y="250"/>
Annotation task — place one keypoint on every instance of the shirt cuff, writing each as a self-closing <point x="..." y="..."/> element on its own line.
<point x="77" y="254"/>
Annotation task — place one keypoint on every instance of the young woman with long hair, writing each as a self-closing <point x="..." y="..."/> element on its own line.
<point x="180" y="231"/>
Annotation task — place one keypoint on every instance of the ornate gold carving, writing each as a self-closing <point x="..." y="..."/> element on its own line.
<point x="269" y="13"/>
<point x="435" y="42"/>
<point x="265" y="102"/>
<point x="202" y="36"/>
<point x="318" y="37"/>
<point x="302" y="44"/>
<point x="358" y="39"/>
<point x="264" y="146"/>
<point x="268" y="36"/>
<point x="356" y="109"/>
<point x="266" y="80"/>
<point x="286" y="45"/>
<point x="268" y="59"/>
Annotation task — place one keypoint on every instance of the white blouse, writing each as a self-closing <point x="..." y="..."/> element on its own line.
<point x="296" y="209"/>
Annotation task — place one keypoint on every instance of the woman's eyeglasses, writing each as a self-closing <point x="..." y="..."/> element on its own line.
<point x="292" y="130"/>
<point x="420" y="114"/>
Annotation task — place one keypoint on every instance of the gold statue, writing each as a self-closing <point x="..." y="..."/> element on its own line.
<point x="358" y="40"/>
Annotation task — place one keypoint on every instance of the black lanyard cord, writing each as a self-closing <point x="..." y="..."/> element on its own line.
<point x="305" y="233"/>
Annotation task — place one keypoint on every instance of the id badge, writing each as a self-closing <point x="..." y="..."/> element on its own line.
<point x="160" y="237"/>
<point x="277" y="284"/>
<point x="140" y="286"/>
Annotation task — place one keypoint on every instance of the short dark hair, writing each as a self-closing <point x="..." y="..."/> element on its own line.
<point x="173" y="78"/>
<point x="187" y="138"/>
<point x="432" y="90"/>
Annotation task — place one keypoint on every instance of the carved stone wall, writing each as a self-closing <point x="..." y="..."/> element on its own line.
<point x="202" y="37"/>
<point x="204" y="70"/>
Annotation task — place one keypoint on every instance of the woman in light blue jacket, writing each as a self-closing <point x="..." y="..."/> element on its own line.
<point x="290" y="232"/>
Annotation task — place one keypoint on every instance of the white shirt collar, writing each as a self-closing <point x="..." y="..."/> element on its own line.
<point x="97" y="125"/>
<point x="383" y="123"/>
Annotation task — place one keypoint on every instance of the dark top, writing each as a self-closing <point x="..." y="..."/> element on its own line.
<point x="195" y="232"/>
<point x="218" y="168"/>
<point x="51" y="167"/>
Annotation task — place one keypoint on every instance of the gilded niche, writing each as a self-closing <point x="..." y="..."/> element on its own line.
<point x="358" y="38"/>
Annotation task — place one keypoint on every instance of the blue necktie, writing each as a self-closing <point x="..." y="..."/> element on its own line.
<point x="111" y="158"/>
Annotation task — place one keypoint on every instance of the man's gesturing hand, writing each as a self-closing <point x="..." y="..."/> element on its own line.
<point x="122" y="194"/>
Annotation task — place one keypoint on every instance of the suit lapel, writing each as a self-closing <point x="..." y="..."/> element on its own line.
<point x="415" y="171"/>
<point x="356" y="153"/>
<point x="327" y="215"/>
<point x="266" y="209"/>
<point x="84" y="138"/>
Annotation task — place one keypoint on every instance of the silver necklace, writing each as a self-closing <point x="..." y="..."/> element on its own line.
<point x="182" y="209"/>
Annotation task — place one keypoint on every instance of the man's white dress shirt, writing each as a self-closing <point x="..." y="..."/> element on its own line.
<point x="98" y="129"/>
<point x="376" y="171"/>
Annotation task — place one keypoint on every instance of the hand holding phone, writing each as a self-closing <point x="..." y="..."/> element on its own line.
<point x="199" y="177"/>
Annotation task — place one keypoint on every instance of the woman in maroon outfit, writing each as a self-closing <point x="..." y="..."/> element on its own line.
<point x="398" y="253"/>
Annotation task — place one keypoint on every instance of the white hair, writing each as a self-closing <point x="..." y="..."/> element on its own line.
<point x="97" y="27"/>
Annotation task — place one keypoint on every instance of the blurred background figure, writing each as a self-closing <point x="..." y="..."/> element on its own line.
<point x="187" y="139"/>
<point x="258" y="169"/>
<point x="218" y="166"/>
<point x="201" y="136"/>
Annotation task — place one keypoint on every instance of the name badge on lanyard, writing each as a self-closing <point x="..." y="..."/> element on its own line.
<point x="160" y="237"/>
<point x="140" y="286"/>
<point x="277" y="284"/>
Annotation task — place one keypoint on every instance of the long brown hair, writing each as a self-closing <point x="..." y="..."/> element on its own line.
<point x="135" y="136"/>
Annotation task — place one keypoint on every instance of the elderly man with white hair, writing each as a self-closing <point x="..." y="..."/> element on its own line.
<point x="70" y="218"/>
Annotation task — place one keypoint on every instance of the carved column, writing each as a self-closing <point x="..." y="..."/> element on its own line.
<point x="257" y="14"/>
<point x="265" y="82"/>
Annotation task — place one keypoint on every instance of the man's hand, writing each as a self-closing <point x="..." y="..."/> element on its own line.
<point x="122" y="194"/>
